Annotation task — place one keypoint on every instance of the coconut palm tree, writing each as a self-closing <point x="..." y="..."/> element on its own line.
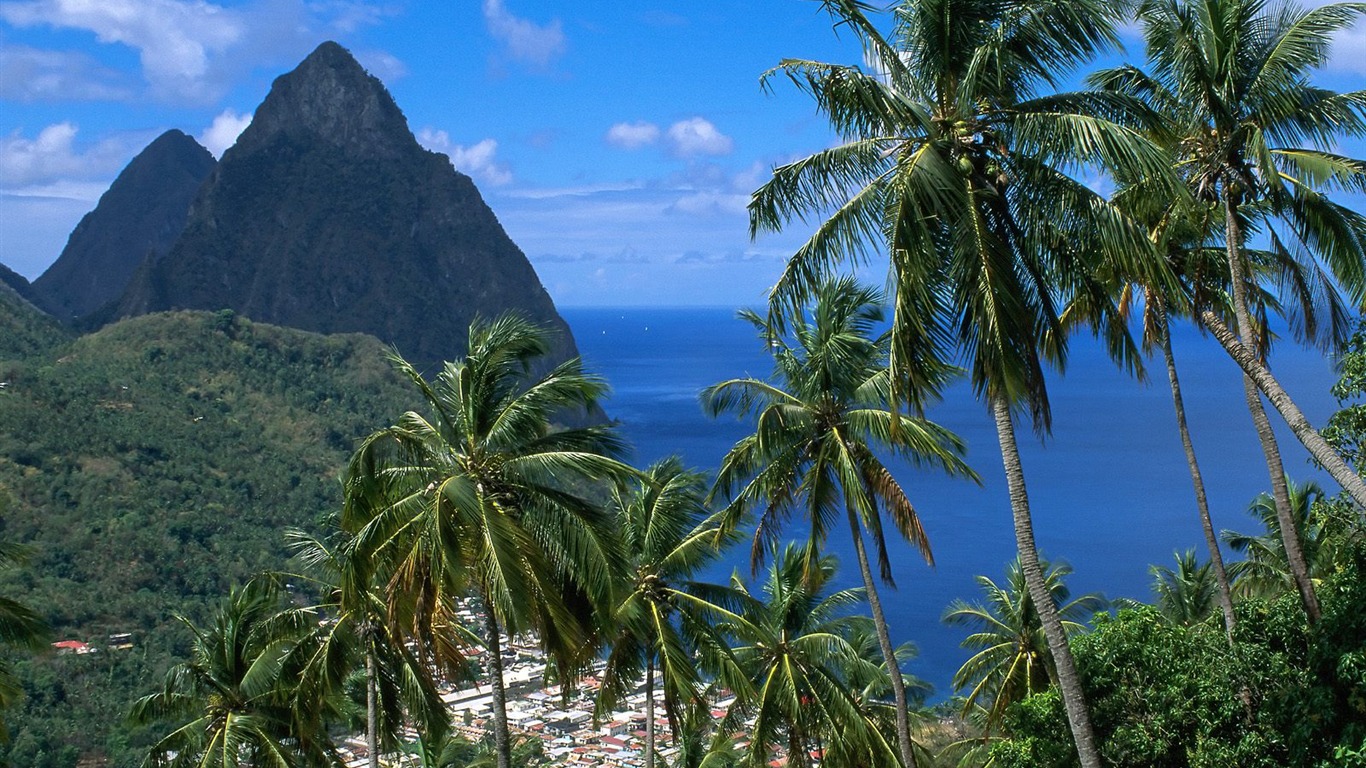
<point x="794" y="646"/>
<point x="21" y="628"/>
<point x="1012" y="659"/>
<point x="1186" y="594"/>
<point x="1238" y="74"/>
<point x="664" y="613"/>
<point x="1324" y="528"/>
<point x="233" y="697"/>
<point x="356" y="633"/>
<point x="820" y="421"/>
<point x="482" y="494"/>
<point x="955" y="164"/>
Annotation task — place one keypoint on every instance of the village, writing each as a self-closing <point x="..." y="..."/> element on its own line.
<point x="564" y="724"/>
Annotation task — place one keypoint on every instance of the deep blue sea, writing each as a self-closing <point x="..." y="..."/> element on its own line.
<point x="1109" y="488"/>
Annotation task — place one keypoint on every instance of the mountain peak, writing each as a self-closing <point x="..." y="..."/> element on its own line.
<point x="143" y="211"/>
<point x="330" y="97"/>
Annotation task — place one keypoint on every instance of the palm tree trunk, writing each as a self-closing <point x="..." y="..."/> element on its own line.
<point x="1201" y="501"/>
<point x="650" y="711"/>
<point x="1319" y="448"/>
<point x="1069" y="682"/>
<point x="1294" y="553"/>
<point x="884" y="639"/>
<point x="371" y="710"/>
<point x="502" y="739"/>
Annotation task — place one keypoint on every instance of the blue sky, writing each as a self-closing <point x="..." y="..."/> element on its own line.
<point x="617" y="141"/>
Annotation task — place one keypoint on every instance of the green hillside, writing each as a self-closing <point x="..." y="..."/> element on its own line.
<point x="150" y="466"/>
<point x="24" y="329"/>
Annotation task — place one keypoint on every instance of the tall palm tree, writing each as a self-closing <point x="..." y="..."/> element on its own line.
<point x="1238" y="73"/>
<point x="356" y="633"/>
<point x="1186" y="594"/>
<point x="794" y="646"/>
<point x="21" y="628"/>
<point x="956" y="164"/>
<point x="483" y="494"/>
<point x="663" y="612"/>
<point x="820" y="421"/>
<point x="1012" y="659"/>
<point x="234" y="695"/>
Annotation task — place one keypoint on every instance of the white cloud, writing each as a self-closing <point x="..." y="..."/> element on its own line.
<point x="31" y="74"/>
<point x="224" y="130"/>
<point x="710" y="203"/>
<point x="476" y="160"/>
<point x="526" y="41"/>
<point x="632" y="135"/>
<point x="191" y="51"/>
<point x="174" y="38"/>
<point x="52" y="156"/>
<point x="697" y="136"/>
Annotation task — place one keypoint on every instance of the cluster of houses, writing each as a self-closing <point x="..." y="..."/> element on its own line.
<point x="564" y="724"/>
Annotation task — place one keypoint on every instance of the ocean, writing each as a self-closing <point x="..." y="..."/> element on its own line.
<point x="1109" y="488"/>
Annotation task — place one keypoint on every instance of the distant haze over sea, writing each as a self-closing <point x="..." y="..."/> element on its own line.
<point x="1109" y="489"/>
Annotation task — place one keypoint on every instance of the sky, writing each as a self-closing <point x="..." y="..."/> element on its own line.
<point x="617" y="141"/>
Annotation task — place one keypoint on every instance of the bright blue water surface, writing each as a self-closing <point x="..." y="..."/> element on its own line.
<point x="1109" y="489"/>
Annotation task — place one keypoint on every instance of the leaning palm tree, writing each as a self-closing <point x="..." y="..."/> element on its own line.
<point x="956" y="165"/>
<point x="793" y="645"/>
<point x="1012" y="659"/>
<point x="820" y="421"/>
<point x="1237" y="72"/>
<point x="233" y="698"/>
<point x="663" y="612"/>
<point x="482" y="494"/>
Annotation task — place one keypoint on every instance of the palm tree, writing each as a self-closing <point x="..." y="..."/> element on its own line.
<point x="820" y="421"/>
<point x="234" y="693"/>
<point x="1325" y="529"/>
<point x="956" y="161"/>
<point x="794" y="648"/>
<point x="1186" y="595"/>
<point x="1238" y="73"/>
<point x="356" y="633"/>
<point x="485" y="495"/>
<point x="663" y="613"/>
<point x="21" y="628"/>
<point x="1012" y="659"/>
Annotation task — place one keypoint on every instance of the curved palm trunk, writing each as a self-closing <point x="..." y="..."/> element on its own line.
<point x="650" y="711"/>
<point x="502" y="739"/>
<point x="371" y="710"/>
<point x="1319" y="448"/>
<point x="1197" y="480"/>
<point x="1069" y="682"/>
<point x="1294" y="552"/>
<point x="884" y="639"/>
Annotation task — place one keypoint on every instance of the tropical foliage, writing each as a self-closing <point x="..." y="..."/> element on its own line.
<point x="1010" y="660"/>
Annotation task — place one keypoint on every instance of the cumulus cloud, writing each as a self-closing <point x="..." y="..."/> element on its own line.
<point x="632" y="135"/>
<point x="710" y="203"/>
<point x="224" y="130"/>
<point x="476" y="160"/>
<point x="52" y="156"/>
<point x="174" y="39"/>
<point x="190" y="51"/>
<point x="526" y="41"/>
<point x="697" y="136"/>
<point x="31" y="74"/>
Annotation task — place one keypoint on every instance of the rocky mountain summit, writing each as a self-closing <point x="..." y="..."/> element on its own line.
<point x="142" y="212"/>
<point x="328" y="216"/>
